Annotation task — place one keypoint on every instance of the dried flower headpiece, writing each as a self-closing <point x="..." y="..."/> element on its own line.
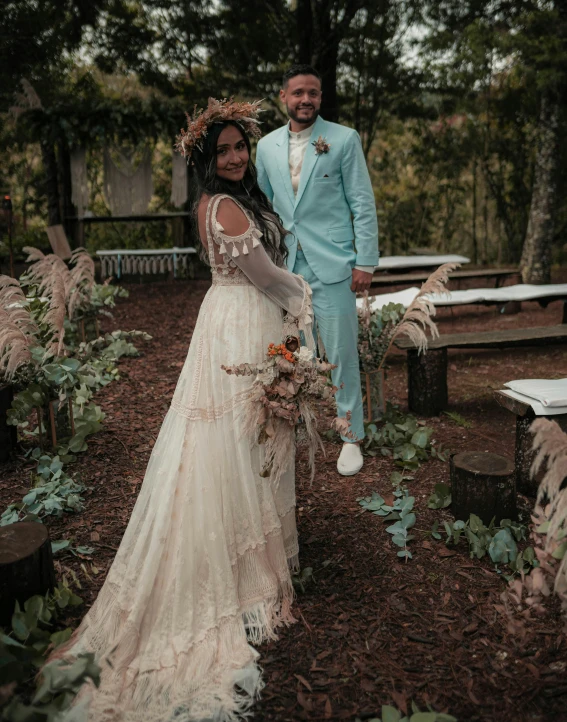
<point x="217" y="111"/>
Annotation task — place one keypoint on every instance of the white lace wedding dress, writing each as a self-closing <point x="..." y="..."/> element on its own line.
<point x="204" y="566"/>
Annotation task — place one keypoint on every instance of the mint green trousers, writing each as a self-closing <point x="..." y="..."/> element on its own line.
<point x="334" y="307"/>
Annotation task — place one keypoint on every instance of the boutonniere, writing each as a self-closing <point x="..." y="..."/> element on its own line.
<point x="321" y="145"/>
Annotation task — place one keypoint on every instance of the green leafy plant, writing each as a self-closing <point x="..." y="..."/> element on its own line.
<point x="499" y="542"/>
<point x="375" y="330"/>
<point x="403" y="438"/>
<point x="53" y="492"/>
<point x="441" y="497"/>
<point x="401" y="512"/>
<point x="302" y="579"/>
<point x="458" y="419"/>
<point x="24" y="648"/>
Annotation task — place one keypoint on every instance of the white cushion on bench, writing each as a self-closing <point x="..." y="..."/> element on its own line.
<point x="549" y="392"/>
<point x="520" y="292"/>
<point x="538" y="408"/>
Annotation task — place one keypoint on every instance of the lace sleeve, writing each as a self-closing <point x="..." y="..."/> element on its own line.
<point x="246" y="251"/>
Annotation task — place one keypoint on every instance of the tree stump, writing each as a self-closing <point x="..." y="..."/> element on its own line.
<point x="427" y="381"/>
<point x="26" y="565"/>
<point x="483" y="484"/>
<point x="8" y="434"/>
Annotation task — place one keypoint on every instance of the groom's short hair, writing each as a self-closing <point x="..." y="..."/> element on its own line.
<point x="299" y="70"/>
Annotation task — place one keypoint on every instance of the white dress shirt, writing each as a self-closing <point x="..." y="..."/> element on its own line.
<point x="298" y="144"/>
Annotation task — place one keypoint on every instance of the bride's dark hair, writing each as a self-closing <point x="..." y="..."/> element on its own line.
<point x="203" y="179"/>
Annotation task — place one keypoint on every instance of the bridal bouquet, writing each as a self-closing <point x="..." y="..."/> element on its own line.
<point x="289" y="388"/>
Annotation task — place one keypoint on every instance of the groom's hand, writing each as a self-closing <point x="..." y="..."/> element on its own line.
<point x="360" y="281"/>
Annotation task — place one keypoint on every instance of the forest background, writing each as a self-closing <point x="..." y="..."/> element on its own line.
<point x="460" y="105"/>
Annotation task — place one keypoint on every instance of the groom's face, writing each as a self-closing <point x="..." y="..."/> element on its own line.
<point x="302" y="98"/>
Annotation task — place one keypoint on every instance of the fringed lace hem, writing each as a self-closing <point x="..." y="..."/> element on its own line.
<point x="215" y="678"/>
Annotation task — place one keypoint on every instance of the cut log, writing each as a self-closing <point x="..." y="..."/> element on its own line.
<point x="26" y="565"/>
<point x="427" y="381"/>
<point x="483" y="484"/>
<point x="8" y="434"/>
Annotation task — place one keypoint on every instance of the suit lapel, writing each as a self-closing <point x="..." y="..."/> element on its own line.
<point x="282" y="157"/>
<point x="310" y="159"/>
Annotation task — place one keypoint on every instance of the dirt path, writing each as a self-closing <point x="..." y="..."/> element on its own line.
<point x="371" y="630"/>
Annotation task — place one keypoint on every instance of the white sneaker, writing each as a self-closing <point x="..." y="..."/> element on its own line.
<point x="350" y="459"/>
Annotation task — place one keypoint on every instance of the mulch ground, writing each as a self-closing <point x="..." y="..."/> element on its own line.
<point x="371" y="629"/>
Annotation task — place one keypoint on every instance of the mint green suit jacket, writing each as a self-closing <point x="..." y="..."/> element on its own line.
<point x="333" y="216"/>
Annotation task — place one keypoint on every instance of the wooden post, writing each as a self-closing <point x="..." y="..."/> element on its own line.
<point x="26" y="565"/>
<point x="427" y="381"/>
<point x="373" y="394"/>
<point x="49" y="415"/>
<point x="8" y="433"/>
<point x="483" y="484"/>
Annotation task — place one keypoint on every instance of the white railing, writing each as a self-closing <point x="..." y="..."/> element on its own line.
<point x="155" y="260"/>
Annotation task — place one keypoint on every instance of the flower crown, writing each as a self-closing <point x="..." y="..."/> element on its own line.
<point x="217" y="111"/>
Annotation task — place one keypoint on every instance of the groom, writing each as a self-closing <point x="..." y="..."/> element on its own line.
<point x="315" y="174"/>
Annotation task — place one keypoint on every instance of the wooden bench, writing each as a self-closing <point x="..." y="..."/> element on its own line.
<point x="427" y="373"/>
<point x="379" y="280"/>
<point x="524" y="454"/>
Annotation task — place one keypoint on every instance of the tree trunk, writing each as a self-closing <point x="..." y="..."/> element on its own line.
<point x="535" y="264"/>
<point x="319" y="47"/>
<point x="51" y="182"/>
<point x="67" y="193"/>
<point x="326" y="61"/>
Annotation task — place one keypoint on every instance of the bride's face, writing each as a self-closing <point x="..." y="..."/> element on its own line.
<point x="232" y="154"/>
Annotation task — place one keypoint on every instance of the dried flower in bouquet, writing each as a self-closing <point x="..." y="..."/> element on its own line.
<point x="289" y="389"/>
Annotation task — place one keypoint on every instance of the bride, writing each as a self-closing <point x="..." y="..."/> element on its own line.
<point x="204" y="565"/>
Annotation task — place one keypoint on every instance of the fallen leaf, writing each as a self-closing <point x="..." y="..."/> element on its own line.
<point x="400" y="700"/>
<point x="368" y="686"/>
<point x="303" y="681"/>
<point x="305" y="702"/>
<point x="444" y="552"/>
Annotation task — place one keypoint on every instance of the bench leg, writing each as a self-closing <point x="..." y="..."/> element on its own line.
<point x="511" y="307"/>
<point x="427" y="381"/>
<point x="564" y="319"/>
<point x="524" y="455"/>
